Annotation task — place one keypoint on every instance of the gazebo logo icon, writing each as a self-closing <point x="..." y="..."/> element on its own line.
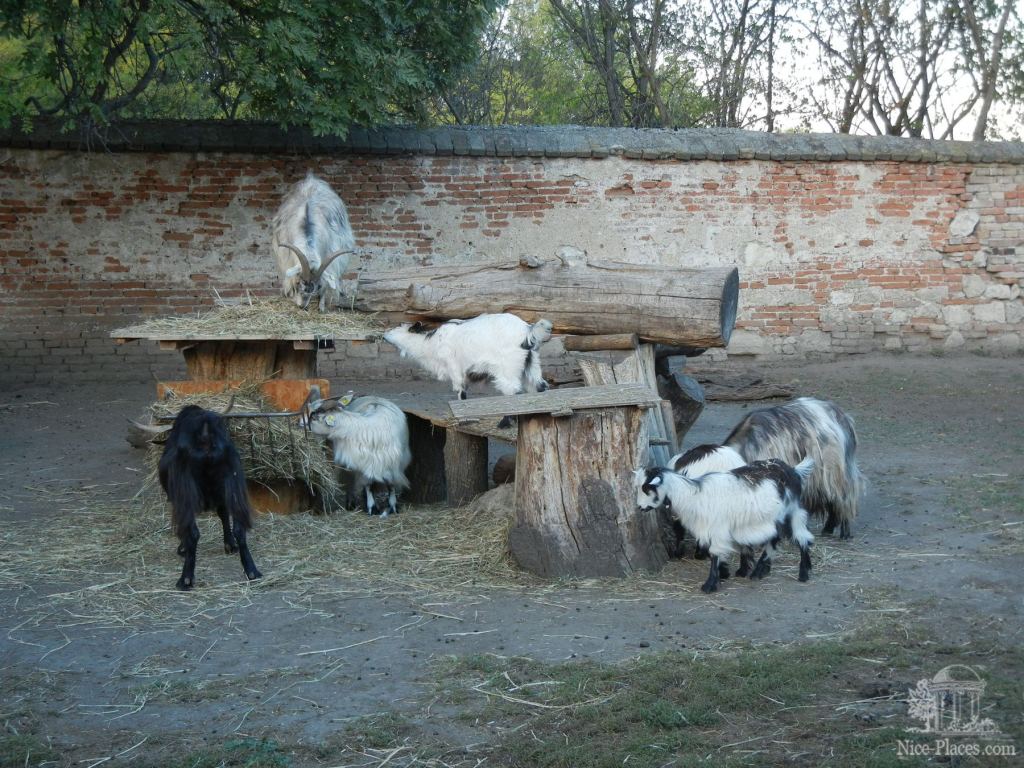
<point x="950" y="704"/>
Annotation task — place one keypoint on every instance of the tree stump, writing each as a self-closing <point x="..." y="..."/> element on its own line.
<point x="575" y="511"/>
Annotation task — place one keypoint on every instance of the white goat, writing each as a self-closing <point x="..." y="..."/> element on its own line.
<point x="370" y="438"/>
<point x="745" y="508"/>
<point x="312" y="243"/>
<point x="500" y="348"/>
<point x="815" y="428"/>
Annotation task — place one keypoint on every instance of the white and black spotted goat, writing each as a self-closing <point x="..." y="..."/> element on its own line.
<point x="370" y="438"/>
<point x="741" y="510"/>
<point x="815" y="428"/>
<point x="694" y="463"/>
<point x="312" y="243"/>
<point x="500" y="348"/>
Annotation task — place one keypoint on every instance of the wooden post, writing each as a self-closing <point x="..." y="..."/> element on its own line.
<point x="637" y="366"/>
<point x="575" y="511"/>
<point x="465" y="466"/>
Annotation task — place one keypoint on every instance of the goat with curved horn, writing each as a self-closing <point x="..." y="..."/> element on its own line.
<point x="312" y="242"/>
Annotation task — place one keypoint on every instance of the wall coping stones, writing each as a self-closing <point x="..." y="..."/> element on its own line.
<point x="724" y="144"/>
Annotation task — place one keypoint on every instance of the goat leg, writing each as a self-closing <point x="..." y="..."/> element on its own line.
<point x="251" y="571"/>
<point x="230" y="545"/>
<point x="746" y="563"/>
<point x="189" y="545"/>
<point x="711" y="584"/>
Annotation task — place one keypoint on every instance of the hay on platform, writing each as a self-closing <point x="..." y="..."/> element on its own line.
<point x="274" y="448"/>
<point x="273" y="317"/>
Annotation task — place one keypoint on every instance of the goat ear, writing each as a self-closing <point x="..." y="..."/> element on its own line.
<point x="416" y="327"/>
<point x="655" y="481"/>
<point x="331" y="420"/>
<point x="345" y="399"/>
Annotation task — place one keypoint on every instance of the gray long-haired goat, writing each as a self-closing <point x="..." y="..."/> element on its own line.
<point x="312" y="243"/>
<point x="816" y="428"/>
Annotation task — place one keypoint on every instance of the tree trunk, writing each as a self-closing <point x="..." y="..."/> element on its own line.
<point x="575" y="511"/>
<point x="695" y="308"/>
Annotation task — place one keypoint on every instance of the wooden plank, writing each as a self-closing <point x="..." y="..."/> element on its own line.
<point x="576" y="399"/>
<point x="433" y="408"/>
<point x="606" y="341"/>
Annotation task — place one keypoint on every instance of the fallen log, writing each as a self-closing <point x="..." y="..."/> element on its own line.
<point x="694" y="308"/>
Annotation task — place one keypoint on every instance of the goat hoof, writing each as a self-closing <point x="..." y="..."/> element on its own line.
<point x="761" y="571"/>
<point x="742" y="572"/>
<point x="804" y="577"/>
<point x="185" y="584"/>
<point x="844" y="532"/>
<point x="708" y="587"/>
<point x="253" y="575"/>
<point x="723" y="571"/>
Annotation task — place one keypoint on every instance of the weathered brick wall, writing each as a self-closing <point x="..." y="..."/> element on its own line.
<point x="843" y="244"/>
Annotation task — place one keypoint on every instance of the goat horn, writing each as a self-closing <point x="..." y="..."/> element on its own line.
<point x="327" y="262"/>
<point x="306" y="271"/>
<point x="150" y="428"/>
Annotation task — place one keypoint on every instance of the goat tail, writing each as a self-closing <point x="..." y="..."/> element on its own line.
<point x="804" y="468"/>
<point x="236" y="495"/>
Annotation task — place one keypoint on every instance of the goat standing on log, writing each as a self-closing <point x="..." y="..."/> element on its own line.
<point x="500" y="348"/>
<point x="312" y="243"/>
<point x="199" y="470"/>
<point x="370" y="438"/>
<point x="743" y="509"/>
<point x="815" y="428"/>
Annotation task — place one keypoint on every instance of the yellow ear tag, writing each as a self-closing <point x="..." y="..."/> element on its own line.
<point x="331" y="420"/>
<point x="346" y="399"/>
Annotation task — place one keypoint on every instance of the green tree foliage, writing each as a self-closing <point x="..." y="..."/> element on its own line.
<point x="547" y="62"/>
<point x="326" y="64"/>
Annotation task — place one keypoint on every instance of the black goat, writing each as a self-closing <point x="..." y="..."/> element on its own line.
<point x="199" y="470"/>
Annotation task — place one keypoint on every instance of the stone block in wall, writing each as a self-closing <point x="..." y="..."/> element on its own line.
<point x="973" y="286"/>
<point x="993" y="312"/>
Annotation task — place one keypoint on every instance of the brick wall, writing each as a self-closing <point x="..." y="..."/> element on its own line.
<point x="844" y="244"/>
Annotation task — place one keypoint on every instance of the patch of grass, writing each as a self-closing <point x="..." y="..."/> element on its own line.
<point x="836" y="702"/>
<point x="386" y="729"/>
<point x="24" y="751"/>
<point x="234" y="753"/>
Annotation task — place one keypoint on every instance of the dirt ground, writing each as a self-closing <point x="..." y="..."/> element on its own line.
<point x="940" y="540"/>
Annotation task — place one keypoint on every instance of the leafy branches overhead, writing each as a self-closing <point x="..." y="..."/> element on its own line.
<point x="322" y="63"/>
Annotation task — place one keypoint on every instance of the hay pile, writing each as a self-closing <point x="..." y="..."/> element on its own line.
<point x="270" y="449"/>
<point x="273" y="317"/>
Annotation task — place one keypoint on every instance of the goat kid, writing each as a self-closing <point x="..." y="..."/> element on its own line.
<point x="694" y="463"/>
<point x="370" y="439"/>
<point x="312" y="243"/>
<point x="200" y="470"/>
<point x="819" y="429"/>
<point x="500" y="348"/>
<point x="745" y="508"/>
